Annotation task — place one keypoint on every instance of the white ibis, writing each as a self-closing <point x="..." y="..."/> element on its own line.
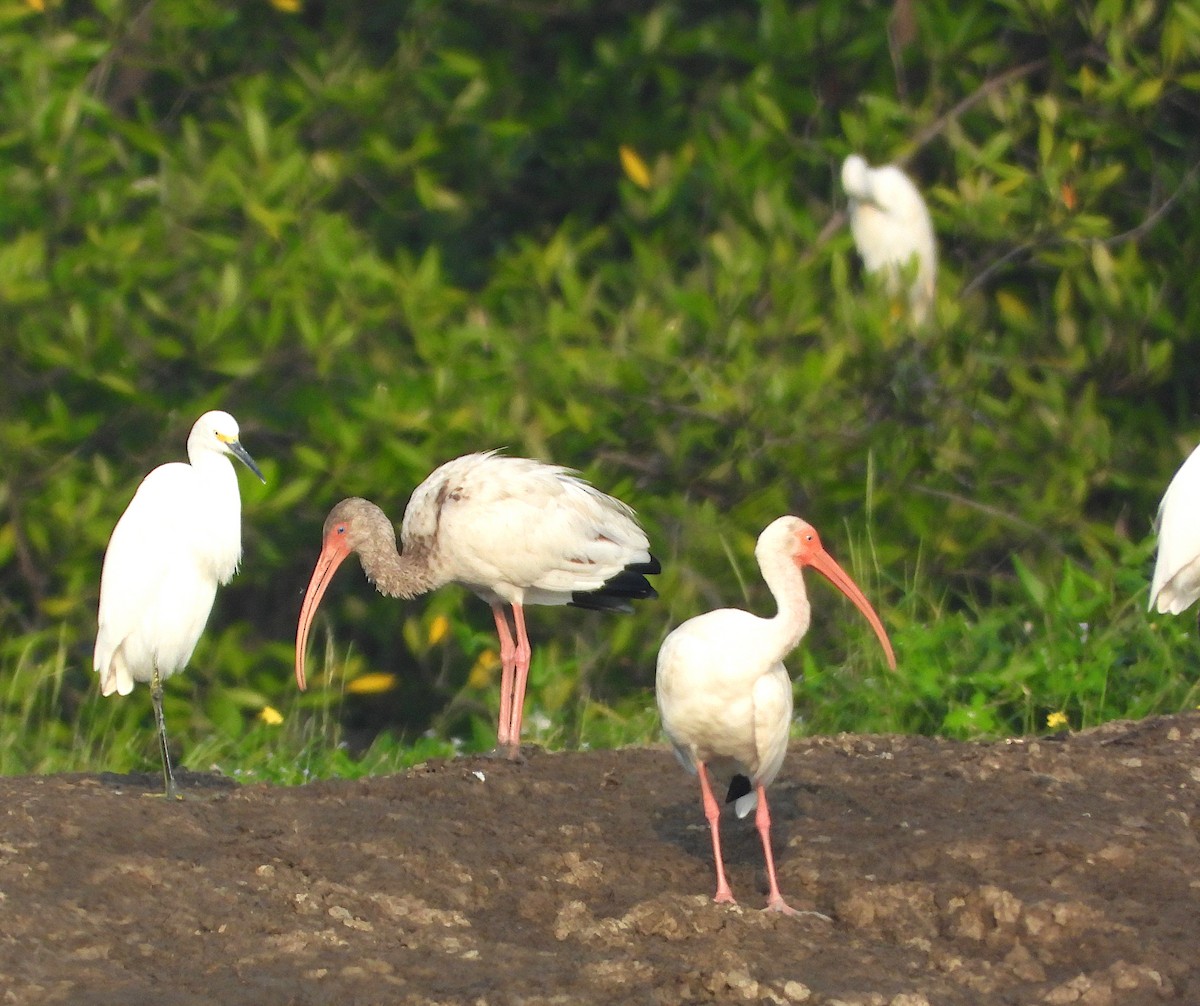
<point x="891" y="225"/>
<point x="1176" y="583"/>
<point x="724" y="696"/>
<point x="512" y="530"/>
<point x="177" y="541"/>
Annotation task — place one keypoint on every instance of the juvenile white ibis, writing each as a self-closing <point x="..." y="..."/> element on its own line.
<point x="1176" y="583"/>
<point x="891" y="226"/>
<point x="724" y="696"/>
<point x="512" y="530"/>
<point x="177" y="541"/>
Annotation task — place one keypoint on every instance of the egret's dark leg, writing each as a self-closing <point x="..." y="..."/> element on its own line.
<point x="156" y="694"/>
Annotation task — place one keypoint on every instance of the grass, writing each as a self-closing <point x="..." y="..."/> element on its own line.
<point x="1074" y="652"/>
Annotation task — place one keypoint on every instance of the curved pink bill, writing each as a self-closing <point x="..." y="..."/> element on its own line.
<point x="825" y="564"/>
<point x="332" y="554"/>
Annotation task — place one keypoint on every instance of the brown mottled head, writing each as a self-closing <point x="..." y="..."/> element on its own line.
<point x="354" y="525"/>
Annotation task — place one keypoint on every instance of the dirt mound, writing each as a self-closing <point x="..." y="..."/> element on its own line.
<point x="1058" y="870"/>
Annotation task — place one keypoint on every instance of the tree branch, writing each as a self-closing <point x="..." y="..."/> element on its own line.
<point x="938" y="126"/>
<point x="1154" y="215"/>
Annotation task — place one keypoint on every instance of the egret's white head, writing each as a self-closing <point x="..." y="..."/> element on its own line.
<point x="856" y="178"/>
<point x="218" y="431"/>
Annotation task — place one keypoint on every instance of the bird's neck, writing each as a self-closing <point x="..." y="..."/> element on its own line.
<point x="220" y="502"/>
<point x="791" y="621"/>
<point x="398" y="574"/>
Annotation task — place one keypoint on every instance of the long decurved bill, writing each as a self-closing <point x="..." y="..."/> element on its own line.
<point x="333" y="552"/>
<point x="824" y="563"/>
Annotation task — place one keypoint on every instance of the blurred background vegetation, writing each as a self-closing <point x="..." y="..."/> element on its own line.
<point x="608" y="235"/>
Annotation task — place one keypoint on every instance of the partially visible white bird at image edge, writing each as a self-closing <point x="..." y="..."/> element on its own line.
<point x="177" y="541"/>
<point x="1176" y="583"/>
<point x="890" y="224"/>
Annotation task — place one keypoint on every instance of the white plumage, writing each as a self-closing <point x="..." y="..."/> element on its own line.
<point x="724" y="695"/>
<point x="520" y="531"/>
<point x="891" y="226"/>
<point x="1176" y="583"/>
<point x="177" y="541"/>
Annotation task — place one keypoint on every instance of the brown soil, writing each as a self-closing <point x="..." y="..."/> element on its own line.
<point x="1058" y="870"/>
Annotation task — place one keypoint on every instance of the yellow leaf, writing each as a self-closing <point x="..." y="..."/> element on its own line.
<point x="372" y="684"/>
<point x="482" y="673"/>
<point x="1146" y="93"/>
<point x="438" y="629"/>
<point x="269" y="220"/>
<point x="38" y="5"/>
<point x="1056" y="720"/>
<point x="635" y="168"/>
<point x="287" y="6"/>
<point x="1011" y="306"/>
<point x="271" y="716"/>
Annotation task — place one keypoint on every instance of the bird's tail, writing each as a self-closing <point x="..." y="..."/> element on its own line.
<point x="115" y="676"/>
<point x="742" y="795"/>
<point x="618" y="592"/>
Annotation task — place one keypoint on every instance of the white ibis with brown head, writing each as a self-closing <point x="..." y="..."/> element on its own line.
<point x="724" y="696"/>
<point x="1176" y="583"/>
<point x="177" y="541"/>
<point x="514" y="531"/>
<point x="891" y="226"/>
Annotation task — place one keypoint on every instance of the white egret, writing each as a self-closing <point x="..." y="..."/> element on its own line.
<point x="1176" y="583"/>
<point x="177" y="541"/>
<point x="725" y="697"/>
<point x="512" y="530"/>
<point x="891" y="226"/>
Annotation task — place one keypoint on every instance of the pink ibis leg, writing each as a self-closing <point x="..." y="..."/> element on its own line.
<point x="521" y="659"/>
<point x="712" y="811"/>
<point x="508" y="652"/>
<point x="762" y="821"/>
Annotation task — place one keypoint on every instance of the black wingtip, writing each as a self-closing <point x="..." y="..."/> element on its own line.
<point x="649" y="568"/>
<point x="619" y="591"/>
<point x="739" y="786"/>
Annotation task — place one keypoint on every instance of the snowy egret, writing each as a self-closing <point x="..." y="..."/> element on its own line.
<point x="512" y="530"/>
<point x="1176" y="583"/>
<point x="177" y="541"/>
<point x="891" y="225"/>
<point x="724" y="696"/>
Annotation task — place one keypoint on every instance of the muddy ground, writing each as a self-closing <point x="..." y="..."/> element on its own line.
<point x="1057" y="870"/>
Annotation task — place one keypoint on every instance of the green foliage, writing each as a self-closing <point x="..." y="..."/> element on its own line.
<point x="382" y="235"/>
<point x="1080" y="645"/>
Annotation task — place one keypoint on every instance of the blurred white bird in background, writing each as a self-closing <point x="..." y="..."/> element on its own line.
<point x="1176" y="583"/>
<point x="177" y="541"/>
<point x="891" y="226"/>
<point x="725" y="697"/>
